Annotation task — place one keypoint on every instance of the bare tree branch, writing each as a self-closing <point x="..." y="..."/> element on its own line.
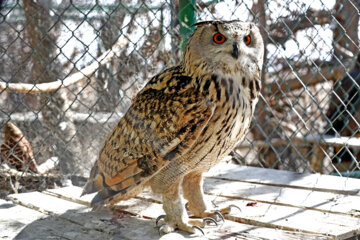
<point x="321" y="140"/>
<point x="76" y="117"/>
<point x="290" y="64"/>
<point x="309" y="79"/>
<point x="345" y="31"/>
<point x="286" y="27"/>
<point x="72" y="79"/>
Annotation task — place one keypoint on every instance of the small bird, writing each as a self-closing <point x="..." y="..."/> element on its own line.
<point x="182" y="123"/>
<point x="16" y="150"/>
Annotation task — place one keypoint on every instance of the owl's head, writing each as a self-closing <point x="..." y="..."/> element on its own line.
<point x="228" y="47"/>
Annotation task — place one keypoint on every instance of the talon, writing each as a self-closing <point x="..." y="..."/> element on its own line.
<point x="220" y="216"/>
<point x="234" y="206"/>
<point x="161" y="229"/>
<point x="159" y="218"/>
<point x="187" y="206"/>
<point x="165" y="228"/>
<point x="208" y="219"/>
<point x="198" y="228"/>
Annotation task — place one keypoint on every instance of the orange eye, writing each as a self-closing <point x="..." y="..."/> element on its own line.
<point x="247" y="40"/>
<point x="219" y="38"/>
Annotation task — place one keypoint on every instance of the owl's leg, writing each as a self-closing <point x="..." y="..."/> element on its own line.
<point x="176" y="215"/>
<point x="192" y="187"/>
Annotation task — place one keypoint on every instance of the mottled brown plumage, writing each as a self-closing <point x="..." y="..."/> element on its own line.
<point x="184" y="121"/>
<point x="16" y="150"/>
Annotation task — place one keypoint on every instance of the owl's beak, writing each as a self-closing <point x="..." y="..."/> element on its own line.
<point x="235" y="51"/>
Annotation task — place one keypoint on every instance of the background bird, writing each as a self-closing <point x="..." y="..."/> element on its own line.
<point x="16" y="150"/>
<point x="183" y="122"/>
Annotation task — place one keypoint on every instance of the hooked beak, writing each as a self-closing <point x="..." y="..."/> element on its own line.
<point x="235" y="51"/>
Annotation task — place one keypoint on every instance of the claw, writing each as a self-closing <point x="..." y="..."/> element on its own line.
<point x="234" y="206"/>
<point x="208" y="219"/>
<point x="220" y="216"/>
<point x="187" y="206"/>
<point x="165" y="229"/>
<point x="198" y="228"/>
<point x="159" y="218"/>
<point x="161" y="228"/>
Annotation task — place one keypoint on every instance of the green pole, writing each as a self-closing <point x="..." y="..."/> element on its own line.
<point x="187" y="19"/>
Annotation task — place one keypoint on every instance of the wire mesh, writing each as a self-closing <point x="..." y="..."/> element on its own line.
<point x="69" y="70"/>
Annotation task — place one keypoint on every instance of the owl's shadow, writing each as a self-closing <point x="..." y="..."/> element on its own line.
<point x="97" y="225"/>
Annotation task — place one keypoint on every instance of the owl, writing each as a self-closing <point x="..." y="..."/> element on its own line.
<point x="16" y="150"/>
<point x="183" y="122"/>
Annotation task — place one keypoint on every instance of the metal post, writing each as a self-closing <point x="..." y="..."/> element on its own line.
<point x="187" y="19"/>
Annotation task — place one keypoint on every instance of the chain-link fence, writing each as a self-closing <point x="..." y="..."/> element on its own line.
<point x="69" y="70"/>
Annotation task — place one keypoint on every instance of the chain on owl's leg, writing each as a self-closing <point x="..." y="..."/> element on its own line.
<point x="192" y="186"/>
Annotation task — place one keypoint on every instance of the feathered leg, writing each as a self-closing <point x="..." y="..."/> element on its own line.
<point x="192" y="187"/>
<point x="176" y="215"/>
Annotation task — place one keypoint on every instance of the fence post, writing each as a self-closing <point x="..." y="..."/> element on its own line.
<point x="187" y="18"/>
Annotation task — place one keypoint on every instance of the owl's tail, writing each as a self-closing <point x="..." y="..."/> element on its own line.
<point x="94" y="183"/>
<point x="112" y="189"/>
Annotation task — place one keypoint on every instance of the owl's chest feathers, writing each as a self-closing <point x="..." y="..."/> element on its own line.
<point x="235" y="97"/>
<point x="235" y="106"/>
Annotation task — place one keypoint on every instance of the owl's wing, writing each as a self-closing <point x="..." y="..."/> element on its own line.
<point x="162" y="124"/>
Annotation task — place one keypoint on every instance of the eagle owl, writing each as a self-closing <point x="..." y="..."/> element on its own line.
<point x="16" y="150"/>
<point x="183" y="122"/>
